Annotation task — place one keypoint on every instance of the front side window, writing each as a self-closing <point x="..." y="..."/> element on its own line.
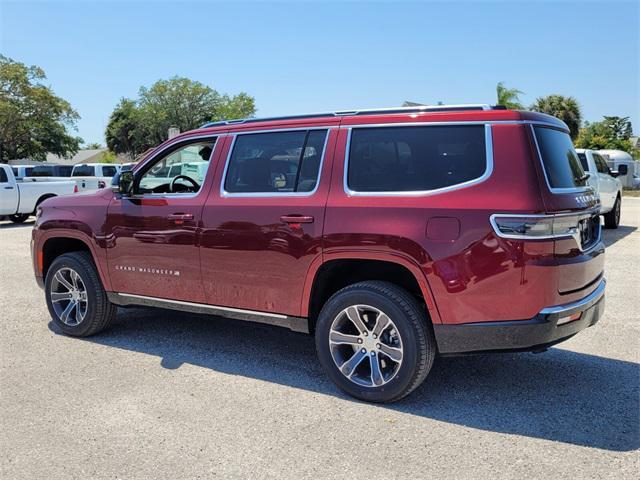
<point x="403" y="159"/>
<point x="601" y="165"/>
<point x="65" y="171"/>
<point x="3" y="176"/>
<point x="583" y="161"/>
<point x="280" y="162"/>
<point x="181" y="171"/>
<point x="559" y="158"/>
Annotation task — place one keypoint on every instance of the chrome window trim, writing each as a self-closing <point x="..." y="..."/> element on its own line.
<point x="402" y="123"/>
<point x="544" y="169"/>
<point x="186" y="140"/>
<point x="576" y="236"/>
<point x="225" y="194"/>
<point x="414" y="193"/>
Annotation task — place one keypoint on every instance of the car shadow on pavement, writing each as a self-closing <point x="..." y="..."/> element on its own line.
<point x="10" y="224"/>
<point x="611" y="236"/>
<point x="559" y="395"/>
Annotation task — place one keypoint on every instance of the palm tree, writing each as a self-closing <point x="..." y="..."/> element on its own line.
<point x="509" y="97"/>
<point x="566" y="109"/>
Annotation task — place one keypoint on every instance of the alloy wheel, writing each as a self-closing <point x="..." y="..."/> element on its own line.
<point x="365" y="345"/>
<point x="69" y="296"/>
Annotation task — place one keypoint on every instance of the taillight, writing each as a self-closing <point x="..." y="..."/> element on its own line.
<point x="584" y="227"/>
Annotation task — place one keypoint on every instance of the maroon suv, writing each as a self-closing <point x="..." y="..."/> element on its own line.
<point x="391" y="235"/>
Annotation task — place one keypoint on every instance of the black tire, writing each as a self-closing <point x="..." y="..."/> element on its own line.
<point x="19" y="217"/>
<point x="99" y="310"/>
<point x="612" y="218"/>
<point x="412" y="325"/>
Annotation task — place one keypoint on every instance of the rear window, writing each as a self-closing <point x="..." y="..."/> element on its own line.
<point x="402" y="159"/>
<point x="83" y="171"/>
<point x="560" y="160"/>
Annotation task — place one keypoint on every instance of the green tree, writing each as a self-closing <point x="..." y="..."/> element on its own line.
<point x="92" y="146"/>
<point x="33" y="120"/>
<point x="137" y="125"/>
<point x="509" y="97"/>
<point x="566" y="109"/>
<point x="611" y="133"/>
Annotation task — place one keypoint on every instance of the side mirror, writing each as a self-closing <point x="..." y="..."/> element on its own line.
<point x="614" y="173"/>
<point x="122" y="182"/>
<point x="623" y="169"/>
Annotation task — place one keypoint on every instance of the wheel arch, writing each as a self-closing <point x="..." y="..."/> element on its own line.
<point x="335" y="271"/>
<point x="55" y="243"/>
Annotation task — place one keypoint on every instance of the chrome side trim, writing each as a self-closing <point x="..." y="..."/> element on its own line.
<point x="452" y="122"/>
<point x="590" y="299"/>
<point x="487" y="173"/>
<point x="225" y="194"/>
<point x="297" y="324"/>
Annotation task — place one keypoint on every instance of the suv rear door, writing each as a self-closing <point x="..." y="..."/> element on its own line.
<point x="262" y="223"/>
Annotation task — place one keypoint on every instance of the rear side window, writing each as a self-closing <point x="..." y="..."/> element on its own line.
<point x="583" y="161"/>
<point x="281" y="162"/>
<point x="83" y="171"/>
<point x="108" y="171"/>
<point x="402" y="159"/>
<point x="14" y="170"/>
<point x="560" y="160"/>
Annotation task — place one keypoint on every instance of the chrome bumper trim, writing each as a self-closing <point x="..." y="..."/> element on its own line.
<point x="585" y="302"/>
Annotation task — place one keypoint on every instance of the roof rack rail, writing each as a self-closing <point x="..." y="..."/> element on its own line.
<point x="371" y="111"/>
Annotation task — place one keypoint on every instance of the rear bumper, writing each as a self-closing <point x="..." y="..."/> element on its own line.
<point x="552" y="325"/>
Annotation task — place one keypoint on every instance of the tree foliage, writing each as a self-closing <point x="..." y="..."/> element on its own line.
<point x="33" y="120"/>
<point x="566" y="109"/>
<point x="509" y="97"/>
<point x="137" y="125"/>
<point x="611" y="133"/>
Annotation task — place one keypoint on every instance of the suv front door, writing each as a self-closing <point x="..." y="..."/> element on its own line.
<point x="262" y="223"/>
<point x="152" y="233"/>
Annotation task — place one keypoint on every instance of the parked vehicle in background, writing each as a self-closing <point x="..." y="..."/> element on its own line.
<point x="19" y="200"/>
<point x="390" y="235"/>
<point x="20" y="171"/>
<point x="623" y="163"/>
<point x="604" y="181"/>
<point x="51" y="171"/>
<point x="101" y="173"/>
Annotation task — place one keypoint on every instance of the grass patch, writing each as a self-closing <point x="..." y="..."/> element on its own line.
<point x="631" y="192"/>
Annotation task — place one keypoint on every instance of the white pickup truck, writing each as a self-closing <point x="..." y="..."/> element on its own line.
<point x="92" y="176"/>
<point x="604" y="180"/>
<point x="18" y="200"/>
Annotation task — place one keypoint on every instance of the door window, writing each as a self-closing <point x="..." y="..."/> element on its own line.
<point x="3" y="176"/>
<point x="183" y="170"/>
<point x="278" y="162"/>
<point x="601" y="165"/>
<point x="109" y="171"/>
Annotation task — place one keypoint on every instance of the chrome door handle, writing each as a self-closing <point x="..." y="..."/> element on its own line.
<point x="296" y="219"/>
<point x="180" y="218"/>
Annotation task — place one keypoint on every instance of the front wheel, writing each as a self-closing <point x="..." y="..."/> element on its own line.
<point x="612" y="218"/>
<point x="374" y="341"/>
<point x="19" y="217"/>
<point x="77" y="302"/>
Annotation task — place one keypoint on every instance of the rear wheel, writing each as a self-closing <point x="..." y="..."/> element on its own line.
<point x="612" y="218"/>
<point x="75" y="297"/>
<point x="19" y="217"/>
<point x="374" y="341"/>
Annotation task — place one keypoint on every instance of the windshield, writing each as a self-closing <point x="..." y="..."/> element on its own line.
<point x="560" y="160"/>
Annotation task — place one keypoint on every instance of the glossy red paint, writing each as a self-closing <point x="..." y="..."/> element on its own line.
<point x="238" y="252"/>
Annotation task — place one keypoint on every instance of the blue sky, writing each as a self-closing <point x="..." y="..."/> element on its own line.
<point x="307" y="57"/>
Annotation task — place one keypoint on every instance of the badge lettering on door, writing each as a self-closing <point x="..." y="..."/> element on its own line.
<point x="153" y="271"/>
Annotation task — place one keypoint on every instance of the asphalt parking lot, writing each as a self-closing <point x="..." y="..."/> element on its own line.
<point x="169" y="395"/>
